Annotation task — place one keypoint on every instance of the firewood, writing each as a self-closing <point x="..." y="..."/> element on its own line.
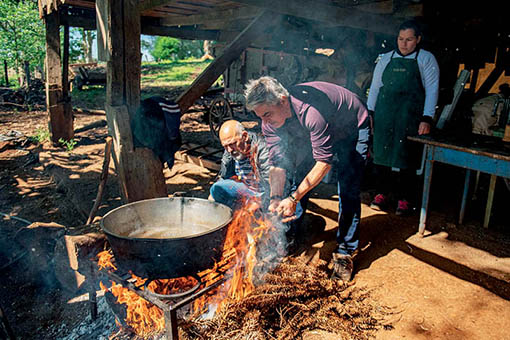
<point x="74" y="256"/>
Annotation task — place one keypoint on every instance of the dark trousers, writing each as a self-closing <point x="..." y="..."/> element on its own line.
<point x="350" y="168"/>
<point x="402" y="184"/>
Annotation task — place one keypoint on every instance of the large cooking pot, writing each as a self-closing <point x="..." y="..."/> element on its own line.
<point x="167" y="237"/>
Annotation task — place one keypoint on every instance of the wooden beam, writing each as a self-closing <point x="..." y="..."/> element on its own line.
<point x="149" y="27"/>
<point x="221" y="15"/>
<point x="140" y="171"/>
<point x="65" y="65"/>
<point x="102" y="30"/>
<point x="329" y="14"/>
<point x="259" y="26"/>
<point x="59" y="112"/>
<point x="150" y="4"/>
<point x="181" y="33"/>
<point x="78" y="21"/>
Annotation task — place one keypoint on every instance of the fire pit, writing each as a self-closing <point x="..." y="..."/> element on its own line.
<point x="167" y="237"/>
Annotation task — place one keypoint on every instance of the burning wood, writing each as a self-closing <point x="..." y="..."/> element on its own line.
<point x="296" y="297"/>
<point x="245" y="233"/>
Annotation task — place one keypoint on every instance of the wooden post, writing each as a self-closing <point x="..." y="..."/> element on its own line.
<point x="26" y="65"/>
<point x="6" y="71"/>
<point x="65" y="65"/>
<point x="260" y="25"/>
<point x="140" y="171"/>
<point x="60" y="115"/>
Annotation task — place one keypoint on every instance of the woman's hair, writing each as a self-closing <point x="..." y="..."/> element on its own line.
<point x="411" y="24"/>
<point x="265" y="90"/>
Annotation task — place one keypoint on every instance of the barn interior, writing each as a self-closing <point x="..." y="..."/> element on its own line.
<point x="337" y="41"/>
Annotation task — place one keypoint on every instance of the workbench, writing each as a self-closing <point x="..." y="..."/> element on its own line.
<point x="472" y="152"/>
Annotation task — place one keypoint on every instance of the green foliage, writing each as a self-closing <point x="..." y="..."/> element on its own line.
<point x="171" y="73"/>
<point x="41" y="136"/>
<point x="22" y="36"/>
<point x="68" y="144"/>
<point x="166" y="48"/>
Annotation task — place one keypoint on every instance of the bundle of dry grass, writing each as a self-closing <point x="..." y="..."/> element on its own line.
<point x="294" y="298"/>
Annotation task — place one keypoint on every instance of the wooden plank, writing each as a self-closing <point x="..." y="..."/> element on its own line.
<point x="132" y="54"/>
<point x="140" y="171"/>
<point x="59" y="112"/>
<point x="205" y="163"/>
<point x="115" y="64"/>
<point x="182" y="33"/>
<point x="260" y="25"/>
<point x="458" y="88"/>
<point x="150" y="4"/>
<point x="330" y="14"/>
<point x="65" y="65"/>
<point x="223" y="15"/>
<point x="102" y="30"/>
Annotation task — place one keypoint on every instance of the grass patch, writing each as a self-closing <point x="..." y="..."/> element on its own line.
<point x="157" y="78"/>
<point x="171" y="73"/>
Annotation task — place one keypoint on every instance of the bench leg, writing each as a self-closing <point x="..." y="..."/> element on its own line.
<point x="464" y="196"/>
<point x="427" y="180"/>
<point x="488" y="208"/>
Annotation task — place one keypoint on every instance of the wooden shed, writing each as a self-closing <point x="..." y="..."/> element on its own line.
<point x="457" y="32"/>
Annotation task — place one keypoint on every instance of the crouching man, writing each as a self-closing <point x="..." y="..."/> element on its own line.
<point x="244" y="172"/>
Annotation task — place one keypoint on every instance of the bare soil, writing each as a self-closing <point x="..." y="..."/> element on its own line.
<point x="454" y="283"/>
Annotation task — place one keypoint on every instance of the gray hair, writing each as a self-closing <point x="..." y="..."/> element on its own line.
<point x="265" y="90"/>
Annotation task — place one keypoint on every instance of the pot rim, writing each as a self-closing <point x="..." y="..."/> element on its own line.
<point x="221" y="226"/>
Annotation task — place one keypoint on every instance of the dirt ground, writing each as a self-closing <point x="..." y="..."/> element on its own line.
<point x="454" y="283"/>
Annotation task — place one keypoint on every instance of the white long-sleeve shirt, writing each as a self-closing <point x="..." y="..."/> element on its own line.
<point x="429" y="71"/>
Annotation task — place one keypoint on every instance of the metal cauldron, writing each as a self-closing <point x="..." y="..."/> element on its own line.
<point x="167" y="237"/>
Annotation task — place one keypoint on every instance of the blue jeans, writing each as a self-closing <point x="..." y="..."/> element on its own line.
<point x="350" y="167"/>
<point x="230" y="193"/>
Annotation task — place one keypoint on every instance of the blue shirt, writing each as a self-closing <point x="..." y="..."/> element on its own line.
<point x="429" y="71"/>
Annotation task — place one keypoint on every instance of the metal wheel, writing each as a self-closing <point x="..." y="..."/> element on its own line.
<point x="219" y="111"/>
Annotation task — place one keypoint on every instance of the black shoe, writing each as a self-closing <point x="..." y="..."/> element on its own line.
<point x="342" y="267"/>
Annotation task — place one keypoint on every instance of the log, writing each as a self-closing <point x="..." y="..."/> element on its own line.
<point x="74" y="259"/>
<point x="89" y="111"/>
<point x="93" y="125"/>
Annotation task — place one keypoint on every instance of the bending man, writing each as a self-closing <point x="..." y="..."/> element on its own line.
<point x="305" y="127"/>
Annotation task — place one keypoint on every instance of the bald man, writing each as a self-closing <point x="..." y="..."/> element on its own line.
<point x="244" y="172"/>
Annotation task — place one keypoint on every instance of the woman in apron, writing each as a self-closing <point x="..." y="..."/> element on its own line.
<point x="402" y="97"/>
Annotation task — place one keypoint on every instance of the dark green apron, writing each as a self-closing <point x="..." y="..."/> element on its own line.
<point x="398" y="111"/>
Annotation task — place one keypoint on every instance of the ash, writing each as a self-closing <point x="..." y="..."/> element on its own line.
<point x="101" y="328"/>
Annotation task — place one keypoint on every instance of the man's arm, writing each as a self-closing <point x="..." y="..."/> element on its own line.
<point x="312" y="179"/>
<point x="277" y="178"/>
<point x="287" y="207"/>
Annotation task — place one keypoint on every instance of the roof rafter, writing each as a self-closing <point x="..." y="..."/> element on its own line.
<point x="331" y="14"/>
<point x="219" y="15"/>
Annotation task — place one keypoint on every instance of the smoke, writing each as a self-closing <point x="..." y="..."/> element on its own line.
<point x="271" y="250"/>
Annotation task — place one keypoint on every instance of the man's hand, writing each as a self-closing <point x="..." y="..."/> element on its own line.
<point x="424" y="128"/>
<point x="273" y="205"/>
<point x="286" y="209"/>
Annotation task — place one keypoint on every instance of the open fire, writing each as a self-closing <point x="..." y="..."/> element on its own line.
<point x="248" y="237"/>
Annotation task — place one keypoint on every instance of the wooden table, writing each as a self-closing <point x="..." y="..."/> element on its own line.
<point x="473" y="152"/>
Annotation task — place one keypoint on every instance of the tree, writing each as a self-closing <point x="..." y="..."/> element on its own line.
<point x="166" y="48"/>
<point x="22" y="37"/>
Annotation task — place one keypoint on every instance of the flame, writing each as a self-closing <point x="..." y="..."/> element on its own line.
<point x="244" y="234"/>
